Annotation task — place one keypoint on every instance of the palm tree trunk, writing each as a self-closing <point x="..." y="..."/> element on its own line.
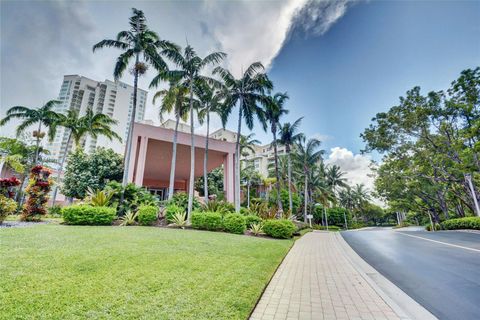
<point x="248" y="194"/>
<point x="277" y="174"/>
<point x="290" y="202"/>
<point x="37" y="148"/>
<point x="174" y="159"/>
<point x="192" y="156"/>
<point x="237" y="160"/>
<point x="60" y="169"/>
<point x="305" y="196"/>
<point x="128" y="146"/>
<point x="205" y="161"/>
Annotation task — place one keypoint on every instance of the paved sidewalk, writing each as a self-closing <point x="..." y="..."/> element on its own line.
<point x="317" y="281"/>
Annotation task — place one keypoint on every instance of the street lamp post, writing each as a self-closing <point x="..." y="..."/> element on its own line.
<point x="468" y="178"/>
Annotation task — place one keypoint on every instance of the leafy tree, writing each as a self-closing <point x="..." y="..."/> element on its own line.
<point x="90" y="171"/>
<point x="248" y="92"/>
<point x="215" y="183"/>
<point x="43" y="116"/>
<point x="141" y="44"/>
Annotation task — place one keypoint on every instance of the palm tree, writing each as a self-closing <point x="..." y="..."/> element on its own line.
<point x="94" y="124"/>
<point x="43" y="115"/>
<point x="335" y="177"/>
<point x="189" y="75"/>
<point x="274" y="110"/>
<point x="306" y="157"/>
<point x="247" y="144"/>
<point x="173" y="99"/>
<point x="210" y="101"/>
<point x="141" y="44"/>
<point x="248" y="91"/>
<point x="288" y="136"/>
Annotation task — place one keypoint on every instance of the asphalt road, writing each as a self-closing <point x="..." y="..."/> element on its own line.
<point x="441" y="270"/>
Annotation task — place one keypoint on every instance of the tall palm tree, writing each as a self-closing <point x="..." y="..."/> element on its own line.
<point x="306" y="157"/>
<point x="248" y="91"/>
<point x="43" y="115"/>
<point x="247" y="144"/>
<point x="274" y="110"/>
<point x="141" y="44"/>
<point x="210" y="101"/>
<point x="174" y="99"/>
<point x="335" y="177"/>
<point x="188" y="74"/>
<point x="93" y="124"/>
<point x="288" y="136"/>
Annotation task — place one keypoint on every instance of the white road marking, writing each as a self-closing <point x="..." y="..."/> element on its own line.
<point x="445" y="243"/>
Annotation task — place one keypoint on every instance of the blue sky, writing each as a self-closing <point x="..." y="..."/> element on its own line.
<point x="340" y="61"/>
<point x="369" y="58"/>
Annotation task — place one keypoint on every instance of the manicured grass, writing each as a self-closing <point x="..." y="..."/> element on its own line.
<point x="78" y="272"/>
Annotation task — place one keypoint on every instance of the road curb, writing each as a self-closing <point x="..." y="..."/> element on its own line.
<point x="399" y="301"/>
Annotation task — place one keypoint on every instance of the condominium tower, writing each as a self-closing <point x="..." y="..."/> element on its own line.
<point x="111" y="98"/>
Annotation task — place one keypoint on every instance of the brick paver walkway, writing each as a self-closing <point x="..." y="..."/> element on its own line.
<point x="317" y="281"/>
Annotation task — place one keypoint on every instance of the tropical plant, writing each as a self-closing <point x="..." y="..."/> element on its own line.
<point x="281" y="228"/>
<point x="130" y="197"/>
<point x="306" y="157"/>
<point x="234" y="223"/>
<point x="250" y="220"/>
<point x="38" y="189"/>
<point x="179" y="220"/>
<point x="247" y="91"/>
<point x="288" y="137"/>
<point x="274" y="110"/>
<point x="139" y="43"/>
<point x="256" y="229"/>
<point x="171" y="210"/>
<point x="7" y="207"/>
<point x="147" y="215"/>
<point x="188" y="75"/>
<point x="221" y="207"/>
<point x="94" y="124"/>
<point x="128" y="218"/>
<point x="87" y="215"/>
<point x="250" y="177"/>
<point x="181" y="199"/>
<point x="43" y="116"/>
<point x="207" y="220"/>
<point x="98" y="198"/>
<point x="247" y="144"/>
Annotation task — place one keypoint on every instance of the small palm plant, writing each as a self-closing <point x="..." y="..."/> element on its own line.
<point x="256" y="229"/>
<point x="179" y="220"/>
<point x="129" y="218"/>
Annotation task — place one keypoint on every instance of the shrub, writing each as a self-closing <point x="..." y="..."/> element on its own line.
<point x="147" y="215"/>
<point x="207" y="220"/>
<point x="171" y="210"/>
<point x="129" y="218"/>
<point x="133" y="196"/>
<point x="55" y="211"/>
<point x="296" y="201"/>
<point x="99" y="198"/>
<point x="282" y="228"/>
<point x="249" y="220"/>
<point x="428" y="227"/>
<point x="221" y="207"/>
<point x="234" y="223"/>
<point x="180" y="199"/>
<point x="88" y="215"/>
<point x="38" y="190"/>
<point x="7" y="207"/>
<point x="462" y="223"/>
<point x="301" y="225"/>
<point x="246" y="211"/>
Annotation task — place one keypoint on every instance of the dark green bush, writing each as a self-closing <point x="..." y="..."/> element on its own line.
<point x="245" y="211"/>
<point x="249" y="220"/>
<point x="147" y="215"/>
<point x="234" y="223"/>
<point x="207" y="220"/>
<point x="171" y="210"/>
<point x="88" y="215"/>
<point x="55" y="211"/>
<point x="462" y="223"/>
<point x="282" y="228"/>
<point x="180" y="199"/>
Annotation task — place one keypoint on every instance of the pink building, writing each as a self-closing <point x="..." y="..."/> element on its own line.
<point x="152" y="154"/>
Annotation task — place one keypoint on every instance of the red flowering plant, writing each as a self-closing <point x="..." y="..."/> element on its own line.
<point x="7" y="186"/>
<point x="37" y="190"/>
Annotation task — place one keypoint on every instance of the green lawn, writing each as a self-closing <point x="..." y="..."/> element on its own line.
<point x="69" y="272"/>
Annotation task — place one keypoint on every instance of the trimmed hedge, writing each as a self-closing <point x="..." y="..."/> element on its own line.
<point x="234" y="223"/>
<point x="282" y="228"/>
<point x="88" y="215"/>
<point x="207" y="220"/>
<point x="462" y="223"/>
<point x="249" y="220"/>
<point x="171" y="210"/>
<point x="147" y="215"/>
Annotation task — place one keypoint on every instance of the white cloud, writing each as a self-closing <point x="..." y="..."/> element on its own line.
<point x="356" y="166"/>
<point x="321" y="137"/>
